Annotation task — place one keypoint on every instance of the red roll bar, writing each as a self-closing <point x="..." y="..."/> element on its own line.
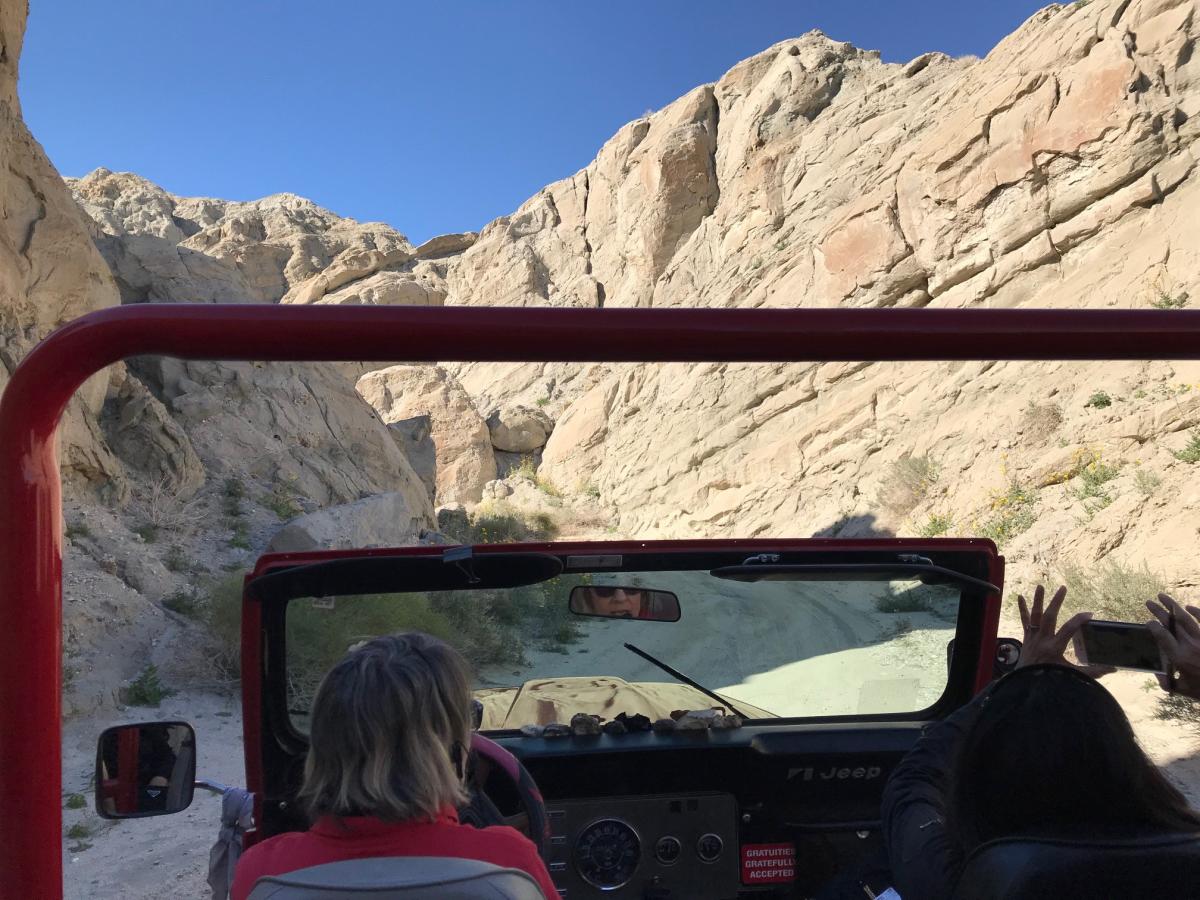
<point x="37" y="394"/>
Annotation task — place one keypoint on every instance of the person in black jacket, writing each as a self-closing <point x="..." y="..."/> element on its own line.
<point x="1044" y="750"/>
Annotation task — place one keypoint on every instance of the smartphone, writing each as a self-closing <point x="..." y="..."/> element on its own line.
<point x="1119" y="644"/>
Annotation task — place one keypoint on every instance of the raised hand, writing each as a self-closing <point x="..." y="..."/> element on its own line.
<point x="1182" y="649"/>
<point x="1043" y="644"/>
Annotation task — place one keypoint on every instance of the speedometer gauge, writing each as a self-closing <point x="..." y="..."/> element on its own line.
<point x="607" y="853"/>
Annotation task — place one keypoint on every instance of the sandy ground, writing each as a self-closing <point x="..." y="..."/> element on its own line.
<point x="749" y="657"/>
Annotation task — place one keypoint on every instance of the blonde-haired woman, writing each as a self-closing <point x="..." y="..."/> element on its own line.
<point x="388" y="736"/>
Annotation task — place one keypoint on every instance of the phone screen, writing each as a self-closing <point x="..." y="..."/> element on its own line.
<point x="1120" y="644"/>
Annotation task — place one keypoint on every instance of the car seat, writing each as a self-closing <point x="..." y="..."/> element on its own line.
<point x="1161" y="866"/>
<point x="400" y="877"/>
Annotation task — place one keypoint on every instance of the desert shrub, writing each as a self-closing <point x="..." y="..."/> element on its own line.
<point x="319" y="633"/>
<point x="525" y="469"/>
<point x="162" y="509"/>
<point x="547" y="487"/>
<point x="907" y="482"/>
<point x="1178" y="708"/>
<point x="1099" y="400"/>
<point x="1190" y="453"/>
<point x="590" y="489"/>
<point x="233" y="492"/>
<point x="79" y="831"/>
<point x="1146" y="482"/>
<point x="905" y="601"/>
<point x="282" y="502"/>
<point x="1014" y="510"/>
<point x="147" y="689"/>
<point x="541" y="401"/>
<point x="1092" y="480"/>
<point x="239" y="537"/>
<point x="221" y="610"/>
<point x="1113" y="590"/>
<point x="936" y="526"/>
<point x="176" y="560"/>
<point x="76" y="801"/>
<point x="1041" y="419"/>
<point x="183" y="603"/>
<point x="501" y="524"/>
<point x="147" y="532"/>
<point x="77" y="530"/>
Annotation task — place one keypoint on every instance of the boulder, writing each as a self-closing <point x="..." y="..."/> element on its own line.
<point x="460" y="438"/>
<point x="382" y="520"/>
<point x="519" y="429"/>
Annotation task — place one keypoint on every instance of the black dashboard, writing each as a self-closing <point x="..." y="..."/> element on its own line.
<point x="763" y="811"/>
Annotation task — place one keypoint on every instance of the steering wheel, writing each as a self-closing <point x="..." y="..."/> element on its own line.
<point x="487" y="758"/>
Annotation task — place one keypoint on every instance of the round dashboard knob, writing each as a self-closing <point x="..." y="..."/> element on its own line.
<point x="709" y="847"/>
<point x="667" y="850"/>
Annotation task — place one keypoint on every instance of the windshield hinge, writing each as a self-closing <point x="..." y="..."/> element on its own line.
<point x="762" y="559"/>
<point x="915" y="559"/>
<point x="464" y="559"/>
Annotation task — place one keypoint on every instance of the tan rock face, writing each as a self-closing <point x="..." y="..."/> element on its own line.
<point x="464" y="458"/>
<point x="302" y="426"/>
<point x="1059" y="171"/>
<point x="49" y="271"/>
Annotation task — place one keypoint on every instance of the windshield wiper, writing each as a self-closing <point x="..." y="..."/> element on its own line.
<point x="690" y="682"/>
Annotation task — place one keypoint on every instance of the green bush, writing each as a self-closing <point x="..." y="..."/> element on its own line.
<point x="79" y="831"/>
<point x="282" y="502"/>
<point x="1014" y="511"/>
<point x="1178" y="708"/>
<point x="1147" y="482"/>
<point x="1113" y="590"/>
<point x="1099" y="400"/>
<point x="221" y="610"/>
<point x="240" y="537"/>
<point x="233" y="493"/>
<point x="76" y="801"/>
<point x="525" y="469"/>
<point x="502" y="525"/>
<point x="1190" y="453"/>
<point x="1092" y="479"/>
<point x="147" y="689"/>
<point x="1166" y="300"/>
<point x="183" y="603"/>
<point x="936" y="526"/>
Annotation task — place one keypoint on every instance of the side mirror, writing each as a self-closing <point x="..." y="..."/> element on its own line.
<point x="147" y="769"/>
<point x="1008" y="652"/>
<point x="608" y="601"/>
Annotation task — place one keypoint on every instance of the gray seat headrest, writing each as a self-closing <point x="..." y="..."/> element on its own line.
<point x="402" y="877"/>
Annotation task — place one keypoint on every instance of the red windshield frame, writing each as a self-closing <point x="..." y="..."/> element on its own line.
<point x="41" y="387"/>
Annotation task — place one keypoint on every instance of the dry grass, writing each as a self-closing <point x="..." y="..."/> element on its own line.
<point x="1112" y="590"/>
<point x="907" y="483"/>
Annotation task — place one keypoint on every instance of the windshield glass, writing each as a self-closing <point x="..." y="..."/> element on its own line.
<point x="767" y="648"/>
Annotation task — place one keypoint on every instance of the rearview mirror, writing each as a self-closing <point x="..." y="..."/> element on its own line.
<point x="147" y="769"/>
<point x="609" y="601"/>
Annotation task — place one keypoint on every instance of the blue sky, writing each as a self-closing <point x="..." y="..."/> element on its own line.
<point x="434" y="117"/>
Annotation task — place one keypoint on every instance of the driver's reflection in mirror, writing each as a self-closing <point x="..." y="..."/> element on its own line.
<point x="617" y="602"/>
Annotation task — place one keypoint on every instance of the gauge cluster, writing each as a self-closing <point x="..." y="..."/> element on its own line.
<point x="620" y="846"/>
